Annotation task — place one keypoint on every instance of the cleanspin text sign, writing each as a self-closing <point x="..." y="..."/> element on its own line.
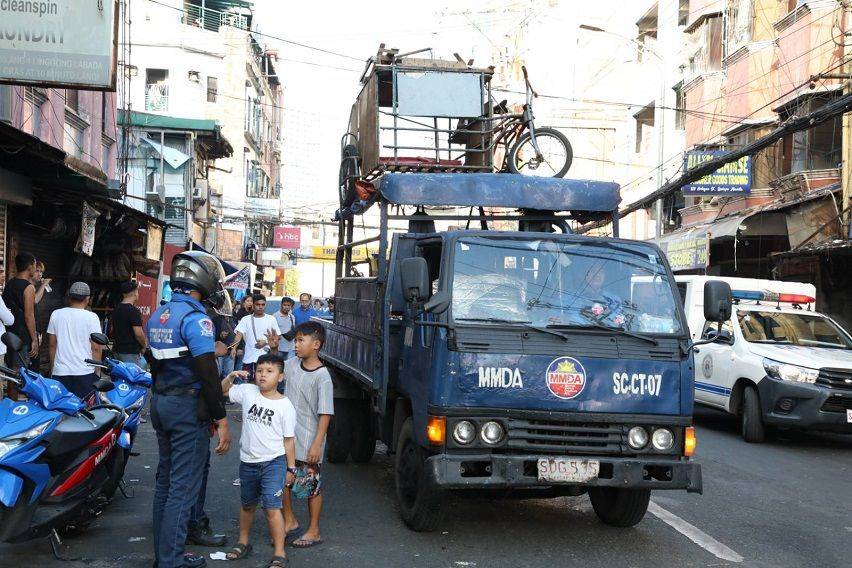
<point x="731" y="179"/>
<point x="59" y="43"/>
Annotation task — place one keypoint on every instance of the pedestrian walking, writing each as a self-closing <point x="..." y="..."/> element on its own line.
<point x="305" y="311"/>
<point x="267" y="452"/>
<point x="308" y="385"/>
<point x="19" y="295"/>
<point x="69" y="343"/>
<point x="187" y="397"/>
<point x="129" y="339"/>
<point x="287" y="326"/>
<point x="260" y="333"/>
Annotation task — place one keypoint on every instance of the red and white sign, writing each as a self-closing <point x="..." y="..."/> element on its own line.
<point x="149" y="296"/>
<point x="287" y="237"/>
<point x="566" y="378"/>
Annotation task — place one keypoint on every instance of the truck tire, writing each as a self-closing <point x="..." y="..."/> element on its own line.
<point x="363" y="440"/>
<point x="619" y="507"/>
<point x="420" y="506"/>
<point x="339" y="438"/>
<point x="753" y="430"/>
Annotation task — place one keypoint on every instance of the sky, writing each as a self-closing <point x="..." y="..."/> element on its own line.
<point x="319" y="88"/>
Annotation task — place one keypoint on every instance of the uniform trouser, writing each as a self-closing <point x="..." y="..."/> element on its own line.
<point x="184" y="443"/>
<point x="198" y="517"/>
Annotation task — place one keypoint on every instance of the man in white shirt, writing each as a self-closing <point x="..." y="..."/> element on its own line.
<point x="260" y="333"/>
<point x="68" y="339"/>
<point x="287" y="325"/>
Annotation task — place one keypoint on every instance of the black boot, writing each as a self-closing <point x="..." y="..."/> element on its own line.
<point x="202" y="535"/>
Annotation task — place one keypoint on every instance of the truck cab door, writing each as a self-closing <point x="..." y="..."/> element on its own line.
<point x="714" y="364"/>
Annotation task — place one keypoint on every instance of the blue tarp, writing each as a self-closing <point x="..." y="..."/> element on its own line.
<point x="500" y="190"/>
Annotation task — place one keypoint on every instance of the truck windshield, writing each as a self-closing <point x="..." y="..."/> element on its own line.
<point x="552" y="283"/>
<point x="805" y="329"/>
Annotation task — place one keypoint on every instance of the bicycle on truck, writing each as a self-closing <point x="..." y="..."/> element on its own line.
<point x="430" y="116"/>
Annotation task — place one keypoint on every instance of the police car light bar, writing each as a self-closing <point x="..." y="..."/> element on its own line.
<point x="771" y="297"/>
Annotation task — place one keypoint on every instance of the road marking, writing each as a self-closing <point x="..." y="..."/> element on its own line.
<point x="694" y="534"/>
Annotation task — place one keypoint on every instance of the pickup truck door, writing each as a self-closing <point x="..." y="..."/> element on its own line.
<point x="714" y="368"/>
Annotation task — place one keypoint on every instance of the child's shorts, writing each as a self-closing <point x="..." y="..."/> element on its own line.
<point x="262" y="482"/>
<point x="308" y="481"/>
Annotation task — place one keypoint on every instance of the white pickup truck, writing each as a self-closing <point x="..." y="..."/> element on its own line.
<point x="783" y="363"/>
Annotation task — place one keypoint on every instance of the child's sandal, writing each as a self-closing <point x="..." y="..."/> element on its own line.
<point x="278" y="562"/>
<point x="238" y="551"/>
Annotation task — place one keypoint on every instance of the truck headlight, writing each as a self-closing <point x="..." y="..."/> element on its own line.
<point x="662" y="439"/>
<point x="464" y="432"/>
<point x="492" y="433"/>
<point x="637" y="437"/>
<point x="788" y="372"/>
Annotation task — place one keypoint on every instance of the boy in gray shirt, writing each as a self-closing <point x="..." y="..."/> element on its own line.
<point x="308" y="386"/>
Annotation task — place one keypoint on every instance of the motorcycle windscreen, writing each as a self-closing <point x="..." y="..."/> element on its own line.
<point x="52" y="394"/>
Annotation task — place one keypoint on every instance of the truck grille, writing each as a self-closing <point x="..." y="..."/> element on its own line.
<point x="835" y="379"/>
<point x="837" y="404"/>
<point x="562" y="437"/>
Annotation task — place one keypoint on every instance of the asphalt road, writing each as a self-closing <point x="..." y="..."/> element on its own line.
<point x="785" y="503"/>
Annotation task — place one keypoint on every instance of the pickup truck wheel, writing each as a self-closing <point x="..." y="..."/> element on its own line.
<point x="754" y="431"/>
<point x="420" y="506"/>
<point x="339" y="438"/>
<point x="363" y="440"/>
<point x="619" y="507"/>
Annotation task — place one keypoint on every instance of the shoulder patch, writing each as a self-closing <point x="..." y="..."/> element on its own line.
<point x="206" y="325"/>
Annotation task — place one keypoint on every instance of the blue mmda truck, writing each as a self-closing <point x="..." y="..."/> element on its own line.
<point x="514" y="355"/>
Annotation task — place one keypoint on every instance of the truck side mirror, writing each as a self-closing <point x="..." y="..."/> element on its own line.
<point x="414" y="273"/>
<point x="717" y="301"/>
<point x="438" y="303"/>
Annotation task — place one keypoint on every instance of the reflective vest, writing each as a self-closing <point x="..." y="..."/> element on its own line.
<point x="178" y="331"/>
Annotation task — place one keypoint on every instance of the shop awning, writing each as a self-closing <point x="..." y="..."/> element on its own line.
<point x="229" y="268"/>
<point x="174" y="158"/>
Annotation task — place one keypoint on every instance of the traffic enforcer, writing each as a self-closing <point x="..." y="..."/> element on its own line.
<point x="507" y="353"/>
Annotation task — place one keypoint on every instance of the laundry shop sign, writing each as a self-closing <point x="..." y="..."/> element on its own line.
<point x="60" y="43"/>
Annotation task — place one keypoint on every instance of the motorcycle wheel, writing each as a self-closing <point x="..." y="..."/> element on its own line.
<point x="115" y="468"/>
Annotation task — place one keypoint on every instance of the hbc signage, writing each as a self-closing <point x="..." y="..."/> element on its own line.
<point x="286" y="237"/>
<point x="62" y="43"/>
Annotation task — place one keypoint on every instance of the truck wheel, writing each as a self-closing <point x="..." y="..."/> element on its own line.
<point x="619" y="507"/>
<point x="753" y="429"/>
<point x="339" y="438"/>
<point x="420" y="506"/>
<point x="363" y="439"/>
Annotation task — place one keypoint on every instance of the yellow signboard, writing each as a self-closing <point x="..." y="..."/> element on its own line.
<point x="329" y="253"/>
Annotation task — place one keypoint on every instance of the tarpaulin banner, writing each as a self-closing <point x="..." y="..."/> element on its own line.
<point x="238" y="283"/>
<point x="731" y="179"/>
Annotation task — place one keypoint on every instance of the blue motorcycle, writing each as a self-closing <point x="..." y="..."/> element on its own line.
<point x="56" y="456"/>
<point x="130" y="393"/>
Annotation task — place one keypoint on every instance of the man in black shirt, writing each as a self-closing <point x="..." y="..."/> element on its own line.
<point x="19" y="296"/>
<point x="128" y="334"/>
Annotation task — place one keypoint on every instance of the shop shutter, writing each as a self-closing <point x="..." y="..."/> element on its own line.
<point x="3" y="273"/>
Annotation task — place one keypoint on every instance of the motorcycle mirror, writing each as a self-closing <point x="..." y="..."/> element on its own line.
<point x="103" y="385"/>
<point x="99" y="338"/>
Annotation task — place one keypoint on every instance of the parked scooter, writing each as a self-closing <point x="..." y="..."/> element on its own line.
<point x="130" y="393"/>
<point x="56" y="456"/>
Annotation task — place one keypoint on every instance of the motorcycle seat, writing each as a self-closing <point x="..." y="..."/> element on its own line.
<point x="76" y="432"/>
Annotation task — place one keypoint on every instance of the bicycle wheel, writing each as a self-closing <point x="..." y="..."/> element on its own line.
<point x="554" y="161"/>
<point x="350" y="170"/>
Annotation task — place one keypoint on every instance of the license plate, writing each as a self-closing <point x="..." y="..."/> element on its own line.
<point x="849" y="416"/>
<point x="565" y="470"/>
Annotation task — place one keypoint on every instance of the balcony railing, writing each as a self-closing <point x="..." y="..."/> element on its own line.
<point x="156" y="97"/>
<point x="211" y="20"/>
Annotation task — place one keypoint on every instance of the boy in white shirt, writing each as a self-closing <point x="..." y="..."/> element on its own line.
<point x="267" y="451"/>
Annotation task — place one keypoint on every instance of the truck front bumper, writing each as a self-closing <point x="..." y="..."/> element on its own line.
<point x="805" y="406"/>
<point x="500" y="471"/>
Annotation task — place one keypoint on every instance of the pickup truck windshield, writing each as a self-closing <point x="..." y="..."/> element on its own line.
<point x="553" y="283"/>
<point x="805" y="329"/>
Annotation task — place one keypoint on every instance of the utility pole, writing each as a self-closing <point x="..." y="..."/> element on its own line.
<point x="846" y="163"/>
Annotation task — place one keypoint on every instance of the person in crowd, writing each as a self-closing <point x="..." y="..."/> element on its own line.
<point x="129" y="336"/>
<point x="40" y="283"/>
<point x="7" y="319"/>
<point x="225" y="336"/>
<point x="260" y="333"/>
<point x="241" y="312"/>
<point x="318" y="306"/>
<point x="267" y="452"/>
<point x="331" y="307"/>
<point x="305" y="311"/>
<point x="287" y="325"/>
<point x="69" y="344"/>
<point x="187" y="398"/>
<point x="19" y="296"/>
<point x="308" y="385"/>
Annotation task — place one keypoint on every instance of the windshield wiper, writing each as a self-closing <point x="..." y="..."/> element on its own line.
<point x="596" y="325"/>
<point x="526" y="324"/>
<point x="779" y="341"/>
